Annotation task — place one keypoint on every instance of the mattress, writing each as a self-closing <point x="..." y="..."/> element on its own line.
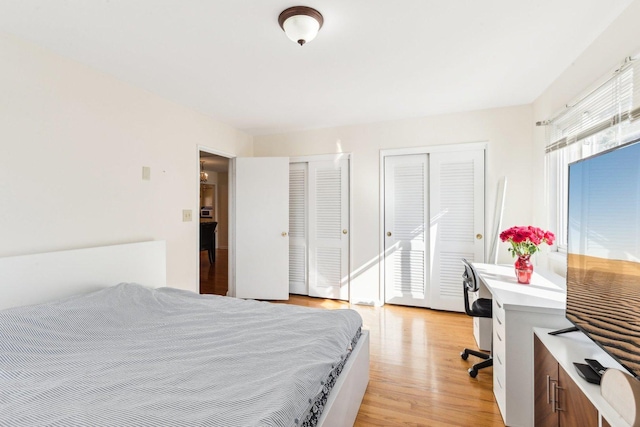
<point x="132" y="356"/>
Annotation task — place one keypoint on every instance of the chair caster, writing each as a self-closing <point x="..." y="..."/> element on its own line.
<point x="464" y="355"/>
<point x="473" y="373"/>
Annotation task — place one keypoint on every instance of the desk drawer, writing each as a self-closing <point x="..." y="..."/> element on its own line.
<point x="499" y="369"/>
<point x="499" y="349"/>
<point x="499" y="390"/>
<point x="498" y="313"/>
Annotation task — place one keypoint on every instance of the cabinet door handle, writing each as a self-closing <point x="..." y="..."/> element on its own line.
<point x="550" y="380"/>
<point x="558" y="408"/>
<point x="554" y="397"/>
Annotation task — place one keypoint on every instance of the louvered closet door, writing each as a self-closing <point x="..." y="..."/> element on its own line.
<point x="298" y="283"/>
<point x="457" y="222"/>
<point x="406" y="250"/>
<point x="328" y="229"/>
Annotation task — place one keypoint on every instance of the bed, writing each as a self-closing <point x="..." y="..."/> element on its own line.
<point x="112" y="352"/>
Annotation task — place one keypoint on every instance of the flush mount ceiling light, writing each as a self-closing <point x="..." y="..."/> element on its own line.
<point x="300" y="23"/>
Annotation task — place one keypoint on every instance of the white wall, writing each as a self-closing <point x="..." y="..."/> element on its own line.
<point x="73" y="142"/>
<point x="508" y="132"/>
<point x="600" y="59"/>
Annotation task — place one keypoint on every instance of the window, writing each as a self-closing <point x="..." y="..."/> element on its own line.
<point x="602" y="119"/>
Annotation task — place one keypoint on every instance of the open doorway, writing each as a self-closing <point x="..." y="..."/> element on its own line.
<point x="214" y="224"/>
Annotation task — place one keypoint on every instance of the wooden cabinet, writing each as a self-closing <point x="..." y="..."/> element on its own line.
<point x="545" y="374"/>
<point x="558" y="400"/>
<point x="574" y="407"/>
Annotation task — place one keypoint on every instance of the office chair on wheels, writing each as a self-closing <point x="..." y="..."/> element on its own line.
<point x="481" y="307"/>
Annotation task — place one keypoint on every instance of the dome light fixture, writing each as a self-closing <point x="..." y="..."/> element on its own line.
<point x="300" y="23"/>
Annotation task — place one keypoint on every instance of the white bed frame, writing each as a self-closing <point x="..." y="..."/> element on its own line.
<point x="34" y="279"/>
<point x="347" y="393"/>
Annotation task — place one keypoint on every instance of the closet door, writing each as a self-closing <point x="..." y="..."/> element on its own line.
<point x="328" y="229"/>
<point x="433" y="217"/>
<point x="298" y="283"/>
<point x="405" y="217"/>
<point x="456" y="201"/>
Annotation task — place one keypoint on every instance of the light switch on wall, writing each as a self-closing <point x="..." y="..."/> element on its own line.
<point x="186" y="215"/>
<point x="146" y="173"/>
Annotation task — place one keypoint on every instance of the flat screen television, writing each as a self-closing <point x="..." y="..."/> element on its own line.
<point x="603" y="245"/>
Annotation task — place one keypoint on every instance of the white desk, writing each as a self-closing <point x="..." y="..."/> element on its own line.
<point x="517" y="309"/>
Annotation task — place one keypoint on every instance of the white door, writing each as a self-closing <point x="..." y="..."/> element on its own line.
<point x="444" y="190"/>
<point x="261" y="227"/>
<point x="405" y="219"/>
<point x="456" y="205"/>
<point x="328" y="229"/>
<point x="298" y="283"/>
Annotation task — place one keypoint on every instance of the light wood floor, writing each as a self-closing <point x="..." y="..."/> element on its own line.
<point x="417" y="377"/>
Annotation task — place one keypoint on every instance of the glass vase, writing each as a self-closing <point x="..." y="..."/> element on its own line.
<point x="524" y="269"/>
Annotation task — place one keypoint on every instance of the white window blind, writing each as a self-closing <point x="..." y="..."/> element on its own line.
<point x="603" y="118"/>
<point x="608" y="111"/>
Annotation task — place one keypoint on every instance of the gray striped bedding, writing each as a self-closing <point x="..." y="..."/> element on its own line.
<point x="131" y="356"/>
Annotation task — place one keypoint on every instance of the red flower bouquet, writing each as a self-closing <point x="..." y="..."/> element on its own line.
<point x="525" y="240"/>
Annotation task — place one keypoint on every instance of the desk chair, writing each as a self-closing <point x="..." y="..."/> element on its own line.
<point x="481" y="307"/>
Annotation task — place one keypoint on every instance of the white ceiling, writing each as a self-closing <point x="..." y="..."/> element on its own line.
<point x="373" y="60"/>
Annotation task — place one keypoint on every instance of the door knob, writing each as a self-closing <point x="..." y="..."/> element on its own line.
<point x="284" y="234"/>
<point x="344" y="231"/>
<point x="389" y="233"/>
<point x="478" y="236"/>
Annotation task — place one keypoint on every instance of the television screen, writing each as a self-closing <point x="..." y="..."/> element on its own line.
<point x="603" y="261"/>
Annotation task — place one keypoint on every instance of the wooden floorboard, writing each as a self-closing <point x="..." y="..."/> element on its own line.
<point x="214" y="278"/>
<point x="417" y="377"/>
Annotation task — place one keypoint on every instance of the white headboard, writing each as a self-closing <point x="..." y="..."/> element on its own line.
<point x="34" y="279"/>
